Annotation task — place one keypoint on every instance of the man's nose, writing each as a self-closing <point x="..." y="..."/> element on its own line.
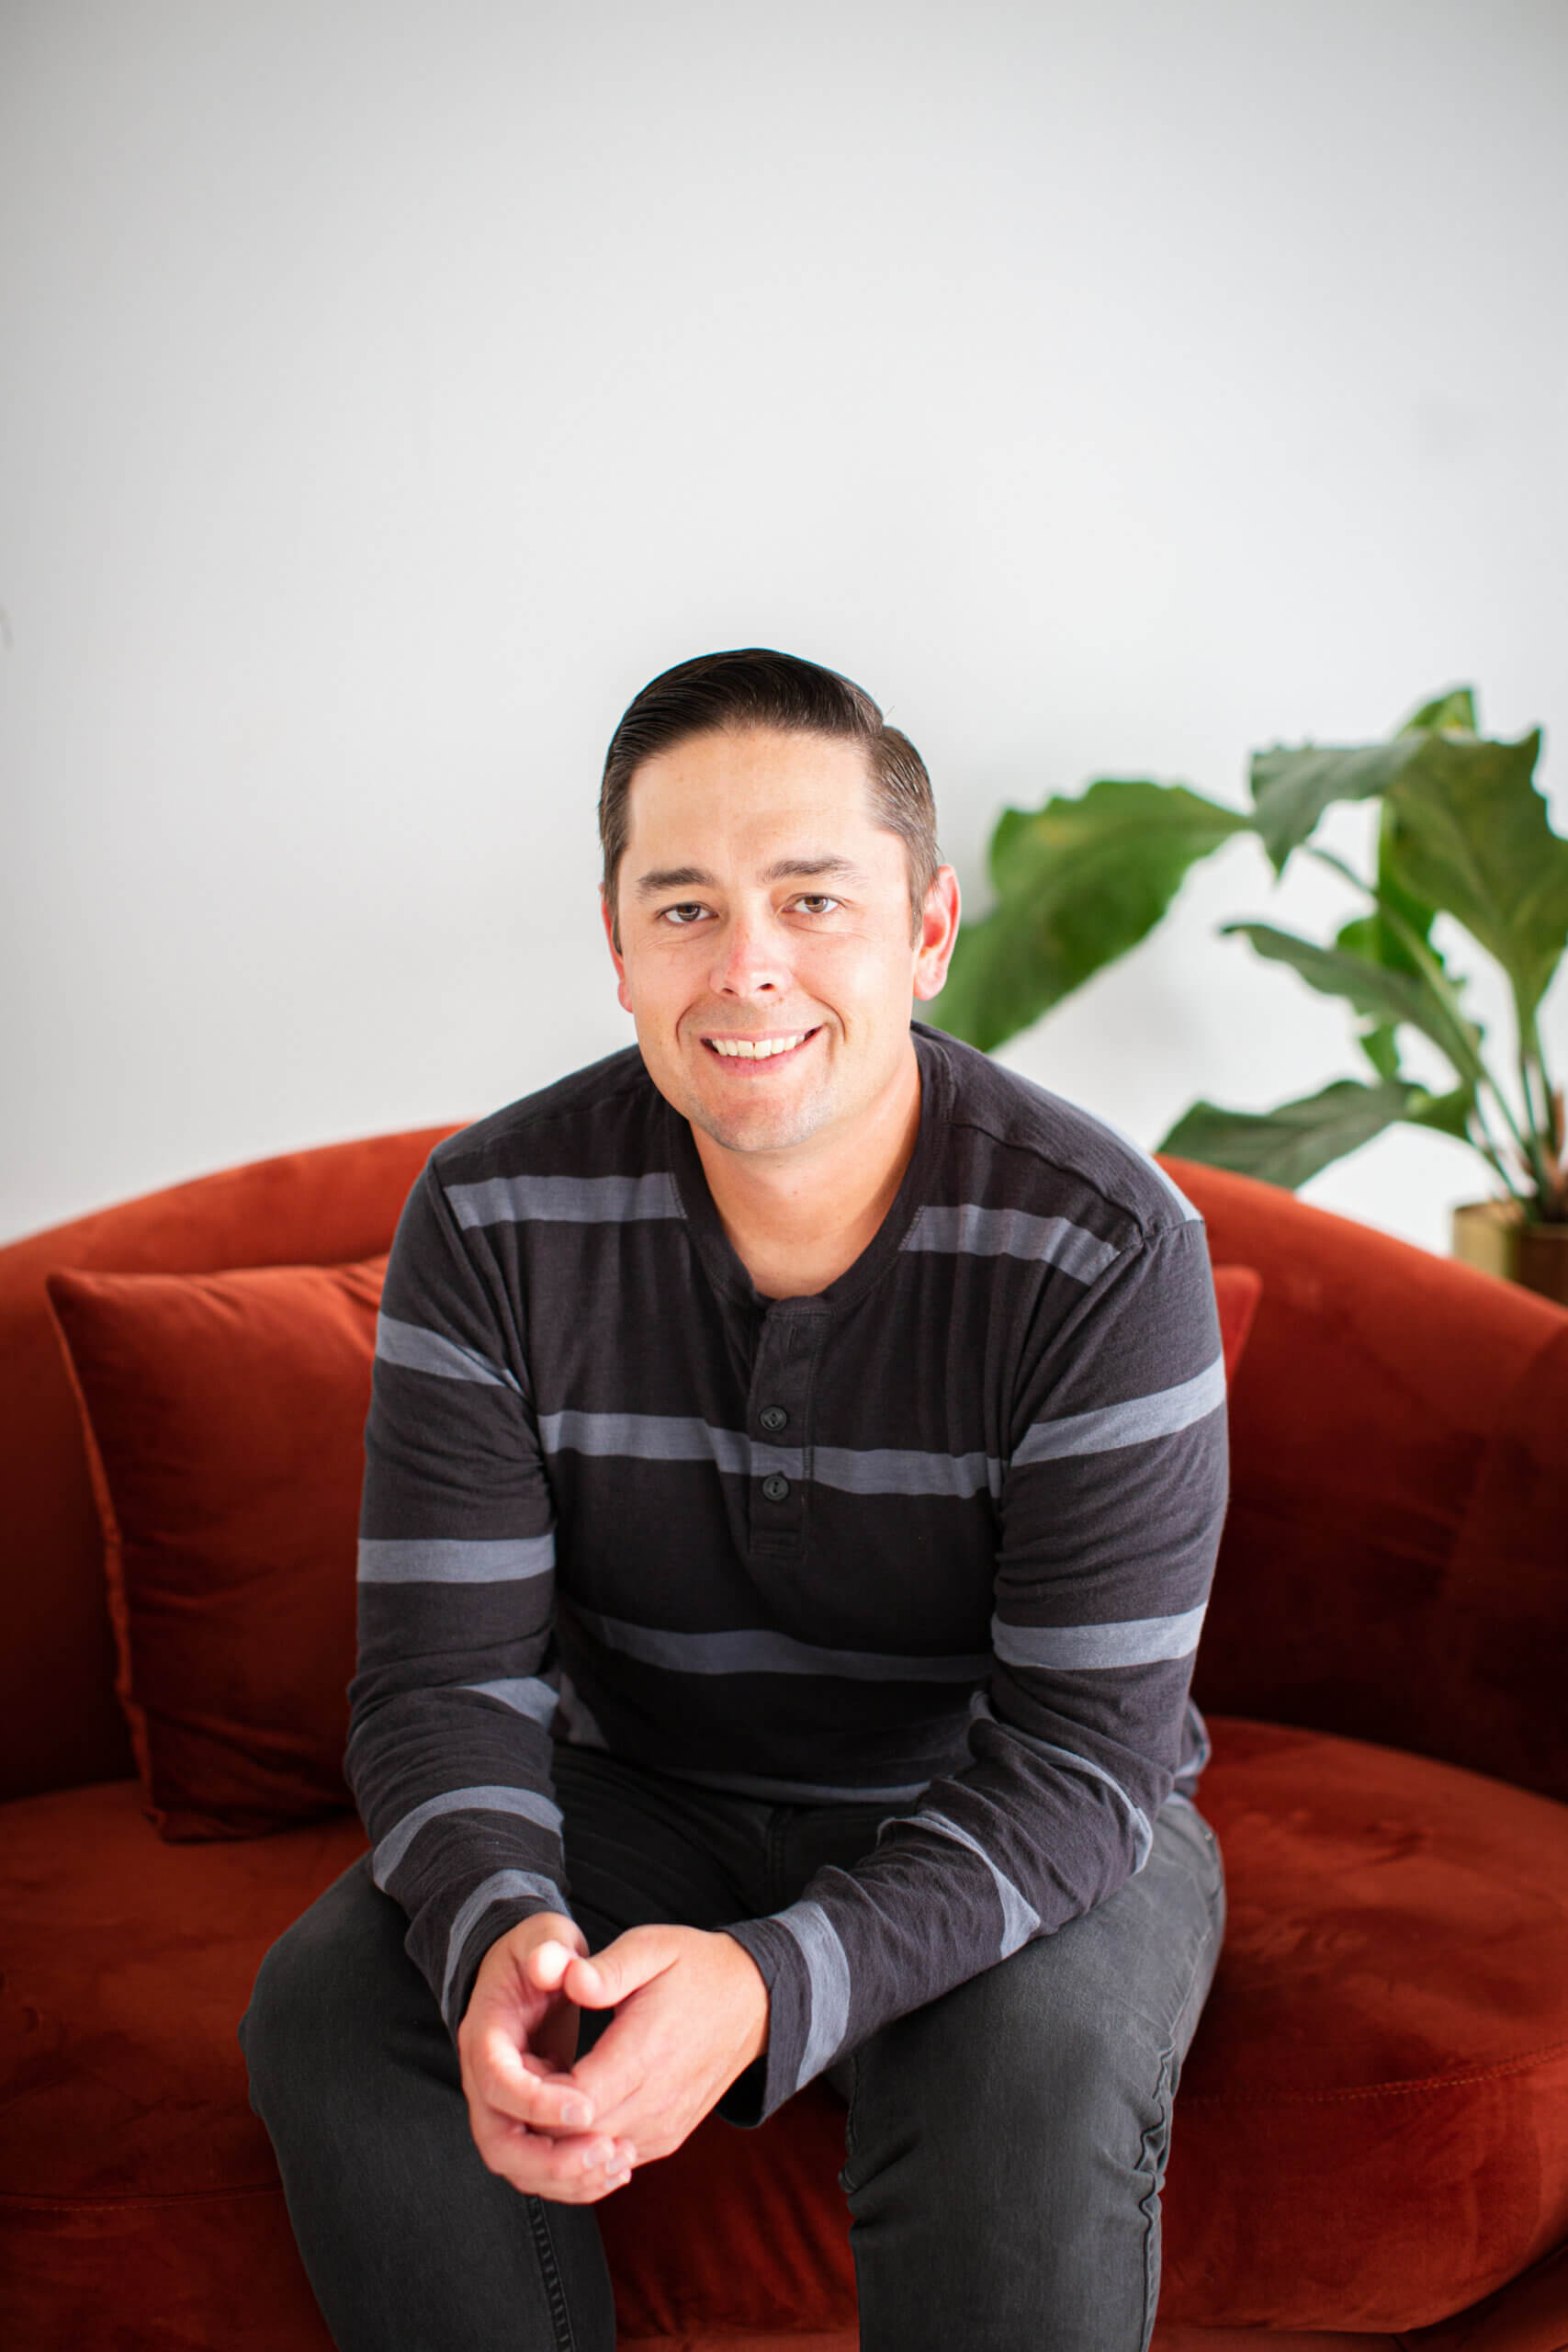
<point x="749" y="959"/>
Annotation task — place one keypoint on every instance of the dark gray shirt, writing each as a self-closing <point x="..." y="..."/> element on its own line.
<point x="943" y="1530"/>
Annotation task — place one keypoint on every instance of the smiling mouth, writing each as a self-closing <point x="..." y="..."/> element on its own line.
<point x="759" y="1049"/>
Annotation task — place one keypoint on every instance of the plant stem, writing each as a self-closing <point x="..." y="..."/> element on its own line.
<point x="1535" y="1053"/>
<point x="1546" y="1111"/>
<point x="1538" y="1113"/>
<point x="1490" y="1152"/>
<point x="1525" y="1144"/>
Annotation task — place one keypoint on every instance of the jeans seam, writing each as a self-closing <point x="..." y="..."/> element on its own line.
<point x="1155" y="2137"/>
<point x="549" y="2272"/>
<point x="845" y="2183"/>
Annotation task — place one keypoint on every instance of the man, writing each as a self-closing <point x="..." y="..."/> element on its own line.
<point x="793" y="1477"/>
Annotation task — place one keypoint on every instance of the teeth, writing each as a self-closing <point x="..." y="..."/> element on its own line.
<point x="743" y="1049"/>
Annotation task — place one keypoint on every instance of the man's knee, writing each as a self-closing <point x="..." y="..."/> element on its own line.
<point x="1074" y="2041"/>
<point x="1019" y="2056"/>
<point x="318" y="1992"/>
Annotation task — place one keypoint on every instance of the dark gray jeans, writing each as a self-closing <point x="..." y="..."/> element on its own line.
<point x="1005" y="2145"/>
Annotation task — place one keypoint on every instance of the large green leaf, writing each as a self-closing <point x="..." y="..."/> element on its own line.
<point x="1381" y="1045"/>
<point x="1078" y="883"/>
<point x="1383" y="936"/>
<point x="1288" y="1145"/>
<point x="1384" y="997"/>
<point x="1465" y="833"/>
<point x="1455" y="708"/>
<point x="1474" y="839"/>
<point x="1399" y="919"/>
<point x="1449" y="1114"/>
<point x="1291" y="789"/>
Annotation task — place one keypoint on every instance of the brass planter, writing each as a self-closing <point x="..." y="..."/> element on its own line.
<point x="1494" y="1235"/>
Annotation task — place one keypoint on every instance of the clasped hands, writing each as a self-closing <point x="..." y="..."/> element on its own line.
<point x="690" y="2014"/>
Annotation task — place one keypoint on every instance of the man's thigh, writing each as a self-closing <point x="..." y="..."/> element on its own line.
<point x="1095" y="2019"/>
<point x="1005" y="2144"/>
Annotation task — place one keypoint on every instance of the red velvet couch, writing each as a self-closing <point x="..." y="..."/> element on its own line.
<point x="1371" y="2144"/>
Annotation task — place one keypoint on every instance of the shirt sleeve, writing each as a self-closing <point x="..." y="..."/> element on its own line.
<point x="449" y="1745"/>
<point x="1107" y="1523"/>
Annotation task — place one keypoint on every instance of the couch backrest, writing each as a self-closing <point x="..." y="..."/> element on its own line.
<point x="1396" y="1559"/>
<point x="60" y="1723"/>
<point x="1395" y="1562"/>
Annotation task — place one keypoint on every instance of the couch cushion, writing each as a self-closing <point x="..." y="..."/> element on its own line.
<point x="224" y="1415"/>
<point x="59" y="1720"/>
<point x="1391" y="1567"/>
<point x="1367" y="2136"/>
<point x="1380" y="2077"/>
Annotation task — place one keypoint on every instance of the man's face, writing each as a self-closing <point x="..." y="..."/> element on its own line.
<point x="765" y="950"/>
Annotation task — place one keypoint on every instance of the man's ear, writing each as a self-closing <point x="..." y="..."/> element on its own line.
<point x="939" y="932"/>
<point x="607" y="917"/>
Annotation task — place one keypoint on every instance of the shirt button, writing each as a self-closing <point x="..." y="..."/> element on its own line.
<point x="773" y="1418"/>
<point x="775" y="1489"/>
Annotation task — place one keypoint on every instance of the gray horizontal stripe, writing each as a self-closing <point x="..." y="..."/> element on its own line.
<point x="1069" y="1760"/>
<point x="968" y="1230"/>
<point x="417" y="1349"/>
<point x="897" y="1470"/>
<point x="1020" y="1918"/>
<point x="1136" y="1641"/>
<point x="828" y="1972"/>
<point x="564" y="1200"/>
<point x="493" y="1798"/>
<point x="673" y="1437"/>
<point x="500" y="1887"/>
<point x="754" y="1784"/>
<point x="666" y="1437"/>
<point x="754" y="1650"/>
<point x="527" y="1694"/>
<point x="1132" y="1423"/>
<point x="438" y="1559"/>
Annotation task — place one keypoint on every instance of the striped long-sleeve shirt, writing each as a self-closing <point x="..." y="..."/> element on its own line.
<point x="942" y="1531"/>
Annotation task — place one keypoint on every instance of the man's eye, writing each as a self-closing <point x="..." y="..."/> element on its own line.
<point x="816" y="902"/>
<point x="687" y="911"/>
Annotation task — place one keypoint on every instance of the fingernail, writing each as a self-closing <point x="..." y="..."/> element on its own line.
<point x="577" y="2113"/>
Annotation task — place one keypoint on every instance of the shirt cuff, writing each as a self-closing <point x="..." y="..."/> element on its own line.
<point x="785" y="2065"/>
<point x="499" y="1904"/>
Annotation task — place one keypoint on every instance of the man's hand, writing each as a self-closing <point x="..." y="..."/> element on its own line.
<point x="530" y="2121"/>
<point x="691" y="2013"/>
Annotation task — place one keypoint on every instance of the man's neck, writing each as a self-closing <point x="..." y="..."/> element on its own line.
<point x="798" y="1219"/>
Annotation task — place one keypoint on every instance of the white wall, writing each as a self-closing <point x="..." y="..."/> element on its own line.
<point x="390" y="388"/>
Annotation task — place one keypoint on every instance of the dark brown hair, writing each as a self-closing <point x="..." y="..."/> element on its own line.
<point x="753" y="686"/>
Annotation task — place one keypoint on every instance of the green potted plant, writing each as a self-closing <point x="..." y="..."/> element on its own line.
<point x="1461" y="831"/>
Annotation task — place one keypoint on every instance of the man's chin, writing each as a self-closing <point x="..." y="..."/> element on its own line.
<point x="756" y="1126"/>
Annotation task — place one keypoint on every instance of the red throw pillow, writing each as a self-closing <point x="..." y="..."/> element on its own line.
<point x="224" y="1417"/>
<point x="1237" y="1290"/>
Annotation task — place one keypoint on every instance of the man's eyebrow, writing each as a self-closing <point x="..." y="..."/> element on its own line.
<point x="787" y="870"/>
<point x="672" y="878"/>
<point x="783" y="869"/>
